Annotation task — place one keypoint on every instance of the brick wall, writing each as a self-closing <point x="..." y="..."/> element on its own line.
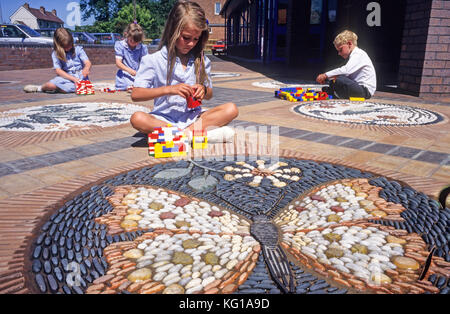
<point x="27" y="56"/>
<point x="425" y="54"/>
<point x="436" y="67"/>
<point x="216" y="22"/>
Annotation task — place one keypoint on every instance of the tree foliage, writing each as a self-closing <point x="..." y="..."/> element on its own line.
<point x="113" y="15"/>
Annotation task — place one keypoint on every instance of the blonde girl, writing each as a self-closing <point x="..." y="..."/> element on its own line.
<point x="71" y="65"/>
<point x="177" y="71"/>
<point x="129" y="53"/>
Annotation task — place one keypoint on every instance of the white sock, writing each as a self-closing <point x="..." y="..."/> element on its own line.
<point x="39" y="89"/>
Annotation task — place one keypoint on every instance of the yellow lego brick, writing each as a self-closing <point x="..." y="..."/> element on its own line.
<point x="167" y="155"/>
<point x="169" y="144"/>
<point x="357" y="99"/>
<point x="200" y="142"/>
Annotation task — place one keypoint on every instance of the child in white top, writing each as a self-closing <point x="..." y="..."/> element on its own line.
<point x="177" y="71"/>
<point x="357" y="78"/>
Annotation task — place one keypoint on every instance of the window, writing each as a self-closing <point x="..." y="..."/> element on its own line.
<point x="316" y="12"/>
<point x="217" y="8"/>
<point x="11" y="31"/>
<point x="282" y="16"/>
<point x="332" y="6"/>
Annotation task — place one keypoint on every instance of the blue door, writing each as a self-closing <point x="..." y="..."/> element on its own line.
<point x="322" y="16"/>
<point x="279" y="30"/>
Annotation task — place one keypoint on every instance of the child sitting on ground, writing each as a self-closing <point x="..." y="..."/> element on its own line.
<point x="177" y="71"/>
<point x="70" y="62"/>
<point x="129" y="53"/>
<point x="357" y="78"/>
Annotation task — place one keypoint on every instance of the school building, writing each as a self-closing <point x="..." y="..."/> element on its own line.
<point x="407" y="40"/>
<point x="216" y="22"/>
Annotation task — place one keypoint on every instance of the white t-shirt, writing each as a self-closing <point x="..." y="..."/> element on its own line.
<point x="358" y="68"/>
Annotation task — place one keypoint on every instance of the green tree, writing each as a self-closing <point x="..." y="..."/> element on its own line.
<point x="106" y="11"/>
<point x="160" y="10"/>
<point x="126" y="16"/>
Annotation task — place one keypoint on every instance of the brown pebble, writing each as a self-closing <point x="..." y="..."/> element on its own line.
<point x="245" y="265"/>
<point x="103" y="279"/>
<point x="182" y="201"/>
<point x="153" y="290"/>
<point x="124" y="285"/>
<point x="334" y="273"/>
<point x="229" y="289"/>
<point x="213" y="284"/>
<point x="355" y="282"/>
<point x="119" y="283"/>
<point x="211" y="291"/>
<point x="300" y="209"/>
<point x="135" y="286"/>
<point x="116" y="279"/>
<point x="96" y="287"/>
<point x="342" y="282"/>
<point x="215" y="213"/>
<point x="337" y="209"/>
<point x="317" y="198"/>
<point x="167" y="215"/>
<point x="149" y="285"/>
<point x="242" y="278"/>
<point x="251" y="266"/>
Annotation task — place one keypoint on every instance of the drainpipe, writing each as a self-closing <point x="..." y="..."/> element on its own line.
<point x="266" y="31"/>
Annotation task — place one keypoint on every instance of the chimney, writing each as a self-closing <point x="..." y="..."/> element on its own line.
<point x="42" y="9"/>
<point x="26" y="6"/>
<point x="54" y="12"/>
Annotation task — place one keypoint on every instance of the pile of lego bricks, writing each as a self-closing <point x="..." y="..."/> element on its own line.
<point x="167" y="141"/>
<point x="300" y="94"/>
<point x="85" y="87"/>
<point x="110" y="90"/>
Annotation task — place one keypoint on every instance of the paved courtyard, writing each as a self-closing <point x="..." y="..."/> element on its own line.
<point x="77" y="188"/>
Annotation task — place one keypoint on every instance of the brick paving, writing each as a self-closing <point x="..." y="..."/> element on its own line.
<point x="41" y="170"/>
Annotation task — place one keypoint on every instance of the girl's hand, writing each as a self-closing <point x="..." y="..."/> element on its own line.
<point x="199" y="91"/>
<point x="75" y="80"/>
<point x="85" y="72"/>
<point x="183" y="90"/>
<point x="132" y="72"/>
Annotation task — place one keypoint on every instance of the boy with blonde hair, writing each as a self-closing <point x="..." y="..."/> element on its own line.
<point x="357" y="78"/>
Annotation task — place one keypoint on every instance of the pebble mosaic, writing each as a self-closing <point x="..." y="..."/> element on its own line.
<point x="63" y="117"/>
<point x="279" y="84"/>
<point x="369" y="113"/>
<point x="224" y="74"/>
<point x="182" y="227"/>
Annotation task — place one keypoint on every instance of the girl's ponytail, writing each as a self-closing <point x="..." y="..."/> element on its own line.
<point x="62" y="38"/>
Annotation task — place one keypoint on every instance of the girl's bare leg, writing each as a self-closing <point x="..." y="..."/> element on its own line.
<point x="50" y="87"/>
<point x="145" y="123"/>
<point x="215" y="117"/>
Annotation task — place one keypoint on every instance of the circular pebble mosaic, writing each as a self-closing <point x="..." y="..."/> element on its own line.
<point x="224" y="74"/>
<point x="185" y="227"/>
<point x="63" y="117"/>
<point x="281" y="84"/>
<point x="363" y="112"/>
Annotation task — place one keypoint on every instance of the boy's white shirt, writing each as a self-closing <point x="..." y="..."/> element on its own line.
<point x="358" y="68"/>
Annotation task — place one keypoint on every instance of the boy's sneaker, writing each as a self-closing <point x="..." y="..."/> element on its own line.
<point x="223" y="134"/>
<point x="31" y="88"/>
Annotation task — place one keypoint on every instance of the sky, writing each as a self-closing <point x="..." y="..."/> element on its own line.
<point x="65" y="10"/>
